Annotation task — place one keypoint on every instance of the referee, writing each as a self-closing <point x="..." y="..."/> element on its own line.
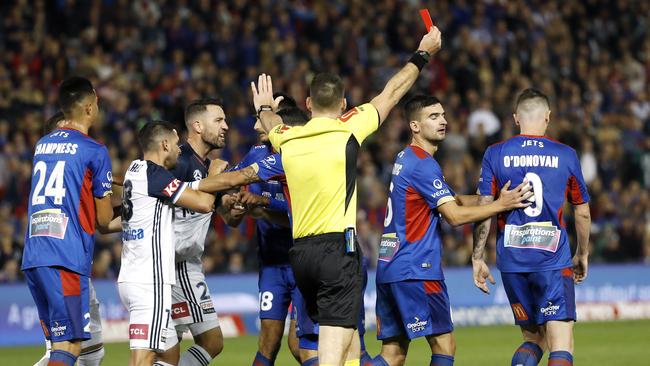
<point x="320" y="162"/>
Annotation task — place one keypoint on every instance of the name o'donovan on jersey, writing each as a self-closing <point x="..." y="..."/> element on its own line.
<point x="56" y="148"/>
<point x="523" y="161"/>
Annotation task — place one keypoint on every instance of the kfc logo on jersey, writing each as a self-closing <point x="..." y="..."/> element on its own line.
<point x="139" y="331"/>
<point x="180" y="310"/>
<point x="172" y="187"/>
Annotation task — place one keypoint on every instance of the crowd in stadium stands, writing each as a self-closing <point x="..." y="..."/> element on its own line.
<point x="149" y="58"/>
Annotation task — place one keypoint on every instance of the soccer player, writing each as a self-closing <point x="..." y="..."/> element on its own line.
<point x="147" y="271"/>
<point x="412" y="298"/>
<point x="533" y="251"/>
<point x="92" y="350"/>
<point x="70" y="195"/>
<point x="320" y="161"/>
<point x="192" y="306"/>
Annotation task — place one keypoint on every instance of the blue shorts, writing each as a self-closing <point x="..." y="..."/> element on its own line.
<point x="277" y="290"/>
<point x="414" y="308"/>
<point x="62" y="298"/>
<point x="538" y="297"/>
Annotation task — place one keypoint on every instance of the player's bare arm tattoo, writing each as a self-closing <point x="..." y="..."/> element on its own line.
<point x="250" y="175"/>
<point x="481" y="231"/>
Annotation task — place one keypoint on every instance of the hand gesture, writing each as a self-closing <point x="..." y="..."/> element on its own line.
<point x="516" y="198"/>
<point x="251" y="200"/>
<point x="481" y="271"/>
<point x="217" y="166"/>
<point x="432" y="41"/>
<point x="580" y="265"/>
<point x="263" y="92"/>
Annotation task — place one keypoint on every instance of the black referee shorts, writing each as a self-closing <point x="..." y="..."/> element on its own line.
<point x="329" y="279"/>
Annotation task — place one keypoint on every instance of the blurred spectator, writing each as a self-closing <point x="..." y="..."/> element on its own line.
<point x="147" y="59"/>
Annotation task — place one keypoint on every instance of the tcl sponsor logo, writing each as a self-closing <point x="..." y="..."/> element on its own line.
<point x="172" y="187"/>
<point x="139" y="331"/>
<point x="180" y="310"/>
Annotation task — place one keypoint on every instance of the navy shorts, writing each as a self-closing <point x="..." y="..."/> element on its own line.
<point x="412" y="308"/>
<point x="62" y="298"/>
<point x="277" y="290"/>
<point x="537" y="297"/>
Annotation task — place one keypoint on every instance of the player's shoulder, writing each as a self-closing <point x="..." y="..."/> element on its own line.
<point x="418" y="159"/>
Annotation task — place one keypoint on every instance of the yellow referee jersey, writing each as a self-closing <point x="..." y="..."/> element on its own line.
<point x="320" y="163"/>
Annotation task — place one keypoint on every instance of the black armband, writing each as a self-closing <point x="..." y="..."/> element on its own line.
<point x="420" y="59"/>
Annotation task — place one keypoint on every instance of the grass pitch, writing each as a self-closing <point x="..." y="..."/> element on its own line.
<point x="611" y="343"/>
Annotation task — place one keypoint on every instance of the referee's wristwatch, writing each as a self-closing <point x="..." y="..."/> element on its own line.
<point x="264" y="108"/>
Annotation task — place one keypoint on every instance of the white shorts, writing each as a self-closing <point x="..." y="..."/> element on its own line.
<point x="95" y="319"/>
<point x="149" y="306"/>
<point x="192" y="306"/>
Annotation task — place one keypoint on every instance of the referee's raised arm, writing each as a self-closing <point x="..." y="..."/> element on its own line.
<point x="401" y="82"/>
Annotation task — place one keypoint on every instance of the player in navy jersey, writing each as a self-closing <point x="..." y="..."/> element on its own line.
<point x="412" y="297"/>
<point x="70" y="195"/>
<point x="533" y="252"/>
<point x="192" y="307"/>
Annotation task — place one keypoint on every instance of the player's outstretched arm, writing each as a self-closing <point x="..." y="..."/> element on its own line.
<point x="196" y="201"/>
<point x="467" y="199"/>
<point x="480" y="270"/>
<point x="230" y="180"/>
<point x="583" y="226"/>
<point x="508" y="200"/>
<point x="401" y="82"/>
<point x="231" y="212"/>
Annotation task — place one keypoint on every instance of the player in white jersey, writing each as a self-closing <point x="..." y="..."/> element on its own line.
<point x="192" y="307"/>
<point x="147" y="270"/>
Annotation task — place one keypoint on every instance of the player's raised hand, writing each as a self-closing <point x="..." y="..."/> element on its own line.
<point x="517" y="197"/>
<point x="262" y="92"/>
<point x="481" y="272"/>
<point x="432" y="41"/>
<point x="580" y="266"/>
<point x="217" y="166"/>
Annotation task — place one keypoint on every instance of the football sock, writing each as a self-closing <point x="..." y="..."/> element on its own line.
<point x="528" y="354"/>
<point x="61" y="358"/>
<point x="379" y="361"/>
<point x="366" y="360"/>
<point x="260" y="360"/>
<point x="92" y="358"/>
<point x="310" y="362"/>
<point x="441" y="360"/>
<point x="195" y="356"/>
<point x="560" y="358"/>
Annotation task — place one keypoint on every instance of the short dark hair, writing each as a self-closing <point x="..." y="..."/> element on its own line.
<point x="72" y="91"/>
<point x="326" y="90"/>
<point x="531" y="93"/>
<point x="52" y="122"/>
<point x="152" y="131"/>
<point x="200" y="106"/>
<point x="287" y="101"/>
<point x="293" y="116"/>
<point x="418" y="102"/>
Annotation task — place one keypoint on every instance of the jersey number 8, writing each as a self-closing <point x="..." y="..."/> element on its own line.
<point x="127" y="205"/>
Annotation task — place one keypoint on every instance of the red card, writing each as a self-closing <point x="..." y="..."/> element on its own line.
<point x="426" y="18"/>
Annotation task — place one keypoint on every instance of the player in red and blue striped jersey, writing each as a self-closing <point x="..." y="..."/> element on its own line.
<point x="533" y="252"/>
<point x="70" y="193"/>
<point x="412" y="298"/>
